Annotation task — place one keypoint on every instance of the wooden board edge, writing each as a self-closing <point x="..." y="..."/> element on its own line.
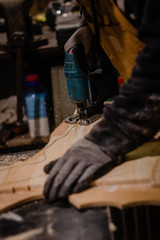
<point x="19" y="198"/>
<point x="120" y="198"/>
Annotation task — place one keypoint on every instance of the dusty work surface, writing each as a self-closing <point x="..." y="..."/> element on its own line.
<point x="60" y="221"/>
<point x="43" y="221"/>
<point x="10" y="158"/>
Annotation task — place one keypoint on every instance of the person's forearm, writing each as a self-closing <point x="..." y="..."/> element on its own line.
<point x="134" y="116"/>
<point x="123" y="129"/>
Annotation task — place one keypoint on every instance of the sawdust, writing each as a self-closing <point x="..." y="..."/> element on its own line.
<point x="8" y="159"/>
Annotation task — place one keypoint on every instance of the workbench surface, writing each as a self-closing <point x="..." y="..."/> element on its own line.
<point x="41" y="220"/>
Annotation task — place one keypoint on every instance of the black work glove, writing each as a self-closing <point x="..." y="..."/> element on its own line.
<point x="75" y="170"/>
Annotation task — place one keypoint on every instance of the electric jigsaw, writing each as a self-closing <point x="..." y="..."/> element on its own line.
<point x="88" y="90"/>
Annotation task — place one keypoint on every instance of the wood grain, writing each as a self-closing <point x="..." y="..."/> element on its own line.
<point x="133" y="183"/>
<point x="23" y="181"/>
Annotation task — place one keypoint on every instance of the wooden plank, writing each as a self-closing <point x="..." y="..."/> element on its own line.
<point x="133" y="183"/>
<point x="10" y="200"/>
<point x="142" y="171"/>
<point x="116" y="197"/>
<point x="24" y="181"/>
<point x="22" y="173"/>
<point x="28" y="176"/>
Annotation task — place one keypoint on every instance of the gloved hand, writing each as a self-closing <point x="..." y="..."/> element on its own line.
<point x="75" y="170"/>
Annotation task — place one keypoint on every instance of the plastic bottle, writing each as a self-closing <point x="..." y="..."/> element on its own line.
<point x="35" y="107"/>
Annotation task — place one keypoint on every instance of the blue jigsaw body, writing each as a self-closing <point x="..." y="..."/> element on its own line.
<point x="77" y="82"/>
<point x="88" y="90"/>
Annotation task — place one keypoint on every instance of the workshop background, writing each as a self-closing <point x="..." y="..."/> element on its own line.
<point x="51" y="24"/>
<point x="32" y="78"/>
